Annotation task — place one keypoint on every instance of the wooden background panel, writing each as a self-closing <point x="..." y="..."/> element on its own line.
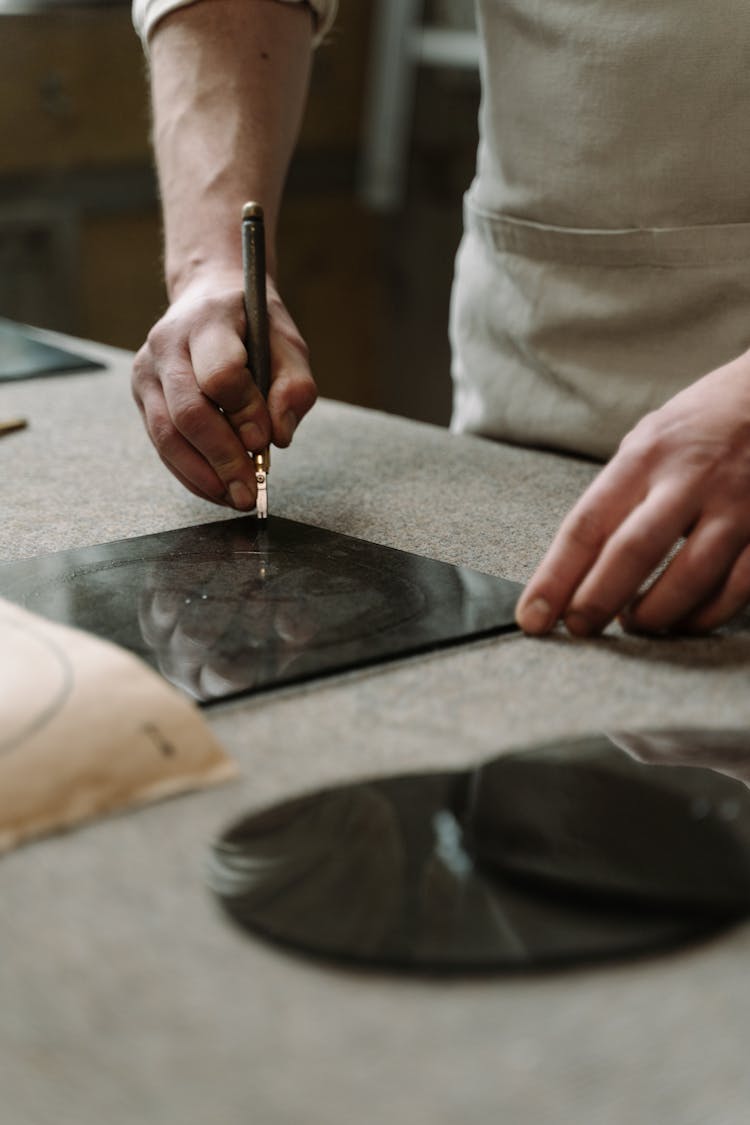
<point x="329" y="278"/>
<point x="334" y="112"/>
<point x="72" y="92"/>
<point x="121" y="289"/>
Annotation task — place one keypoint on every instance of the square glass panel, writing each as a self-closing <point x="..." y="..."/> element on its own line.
<point x="234" y="607"/>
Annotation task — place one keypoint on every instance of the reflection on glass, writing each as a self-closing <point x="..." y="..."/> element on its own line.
<point x="214" y="631"/>
<point x="574" y="851"/>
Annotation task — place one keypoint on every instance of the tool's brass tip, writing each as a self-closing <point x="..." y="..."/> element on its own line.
<point x="252" y="210"/>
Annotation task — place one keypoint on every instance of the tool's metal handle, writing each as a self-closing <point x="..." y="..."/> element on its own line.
<point x="256" y="308"/>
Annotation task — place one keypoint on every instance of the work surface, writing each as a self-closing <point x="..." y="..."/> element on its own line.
<point x="125" y="995"/>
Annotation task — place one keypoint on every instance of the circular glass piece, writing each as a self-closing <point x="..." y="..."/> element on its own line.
<point x="599" y="847"/>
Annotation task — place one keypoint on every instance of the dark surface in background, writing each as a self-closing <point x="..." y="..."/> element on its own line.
<point x="22" y="356"/>
<point x="571" y="852"/>
<point x="234" y="607"/>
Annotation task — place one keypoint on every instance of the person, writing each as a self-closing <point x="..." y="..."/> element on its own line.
<point x="602" y="295"/>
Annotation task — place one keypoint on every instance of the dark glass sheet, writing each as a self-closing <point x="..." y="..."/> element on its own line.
<point x="570" y="852"/>
<point x="232" y="607"/>
<point x="22" y="356"/>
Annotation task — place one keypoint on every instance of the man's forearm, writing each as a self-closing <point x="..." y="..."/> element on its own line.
<point x="229" y="80"/>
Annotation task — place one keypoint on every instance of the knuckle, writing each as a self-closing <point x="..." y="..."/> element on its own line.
<point x="296" y="385"/>
<point x="253" y="411"/>
<point x="631" y="443"/>
<point x="585" y="529"/>
<point x="647" y="441"/>
<point x="222" y="382"/>
<point x="306" y="395"/>
<point x="637" y="553"/>
<point x="165" y="437"/>
<point x="253" y="426"/>
<point x="230" y="468"/>
<point x="191" y="417"/>
<point x="593" y="611"/>
<point x="143" y="369"/>
<point x="159" y="337"/>
<point x="222" y="304"/>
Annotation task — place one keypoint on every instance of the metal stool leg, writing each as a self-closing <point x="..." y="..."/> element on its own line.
<point x="390" y="105"/>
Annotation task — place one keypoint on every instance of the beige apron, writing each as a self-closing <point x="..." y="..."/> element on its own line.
<point x="606" y="257"/>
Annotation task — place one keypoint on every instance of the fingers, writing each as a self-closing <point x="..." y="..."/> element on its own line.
<point x="202" y="410"/>
<point x="293" y="391"/>
<point x="600" y="559"/>
<point x="194" y="439"/>
<point x="180" y="458"/>
<point x="630" y="556"/>
<point x="196" y="346"/>
<point x="219" y="361"/>
<point x="576" y="547"/>
<point x="729" y="600"/>
<point x="209" y="433"/>
<point x="699" y="574"/>
<point x="682" y="472"/>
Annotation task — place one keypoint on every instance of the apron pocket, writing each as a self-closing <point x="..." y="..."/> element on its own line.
<point x="655" y="248"/>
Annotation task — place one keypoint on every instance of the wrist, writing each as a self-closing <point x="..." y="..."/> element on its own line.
<point x="202" y="274"/>
<point x="211" y="268"/>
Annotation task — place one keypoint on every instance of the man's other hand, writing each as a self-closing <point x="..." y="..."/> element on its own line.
<point x="682" y="473"/>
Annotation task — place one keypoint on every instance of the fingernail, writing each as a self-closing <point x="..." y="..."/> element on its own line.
<point x="289" y="424"/>
<point x="241" y="495"/>
<point x="536" y="617"/>
<point x="578" y="625"/>
<point x="252" y="438"/>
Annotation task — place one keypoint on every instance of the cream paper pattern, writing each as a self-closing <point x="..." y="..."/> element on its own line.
<point x="87" y="729"/>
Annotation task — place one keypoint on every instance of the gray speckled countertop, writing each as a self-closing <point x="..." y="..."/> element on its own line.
<point x="123" y="997"/>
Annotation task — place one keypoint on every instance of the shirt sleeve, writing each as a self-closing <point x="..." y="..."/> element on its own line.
<point x="147" y="13"/>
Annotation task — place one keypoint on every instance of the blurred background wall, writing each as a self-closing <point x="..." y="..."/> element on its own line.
<point x="372" y="214"/>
